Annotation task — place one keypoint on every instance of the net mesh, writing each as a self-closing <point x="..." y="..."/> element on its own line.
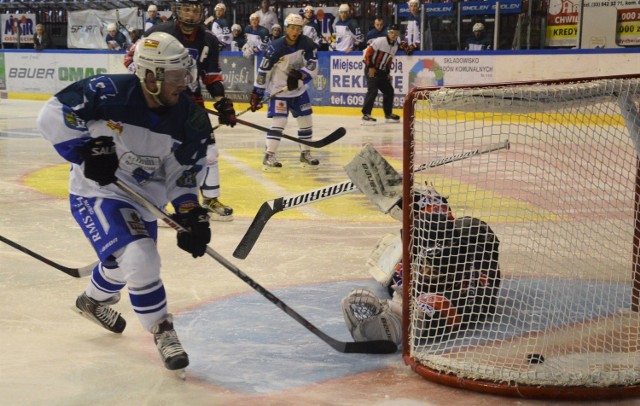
<point x="531" y="278"/>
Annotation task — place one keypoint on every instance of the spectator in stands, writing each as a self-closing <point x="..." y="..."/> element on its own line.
<point x="268" y="18"/>
<point x="348" y="33"/>
<point x="174" y="15"/>
<point x="377" y="31"/>
<point x="116" y="41"/>
<point x="238" y="38"/>
<point x="276" y="32"/>
<point x="41" y="40"/>
<point x="478" y="41"/>
<point x="153" y="18"/>
<point x="220" y="27"/>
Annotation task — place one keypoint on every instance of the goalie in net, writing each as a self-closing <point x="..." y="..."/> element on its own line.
<point x="459" y="276"/>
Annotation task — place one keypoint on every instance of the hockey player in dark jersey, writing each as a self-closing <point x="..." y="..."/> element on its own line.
<point x="455" y="269"/>
<point x="204" y="48"/>
<point x="144" y="131"/>
<point x="291" y="62"/>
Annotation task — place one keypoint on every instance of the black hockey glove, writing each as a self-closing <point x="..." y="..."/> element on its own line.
<point x="256" y="101"/>
<point x="195" y="240"/>
<point x="293" y="79"/>
<point x="227" y="112"/>
<point x="100" y="160"/>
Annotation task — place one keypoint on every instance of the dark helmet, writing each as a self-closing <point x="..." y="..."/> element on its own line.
<point x="190" y="12"/>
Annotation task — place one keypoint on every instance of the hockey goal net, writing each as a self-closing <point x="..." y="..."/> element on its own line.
<point x="523" y="276"/>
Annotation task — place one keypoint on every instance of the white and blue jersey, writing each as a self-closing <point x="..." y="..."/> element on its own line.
<point x="280" y="59"/>
<point x="348" y="35"/>
<point x="161" y="154"/>
<point x="258" y="39"/>
<point x="414" y="36"/>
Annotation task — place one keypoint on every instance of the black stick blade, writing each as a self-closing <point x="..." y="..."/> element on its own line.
<point x="370" y="347"/>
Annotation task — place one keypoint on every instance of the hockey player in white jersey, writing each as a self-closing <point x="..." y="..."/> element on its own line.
<point x="258" y="37"/>
<point x="147" y="132"/>
<point x="290" y="61"/>
<point x="349" y="36"/>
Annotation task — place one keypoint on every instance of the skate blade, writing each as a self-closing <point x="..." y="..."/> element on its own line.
<point x="368" y="123"/>
<point x="181" y="374"/>
<point x="270" y="169"/>
<point x="389" y="121"/>
<point x="314" y="167"/>
<point x="213" y="216"/>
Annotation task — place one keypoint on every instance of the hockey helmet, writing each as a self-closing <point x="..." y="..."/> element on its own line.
<point x="161" y="52"/>
<point x="236" y="27"/>
<point x="343" y="8"/>
<point x="308" y="8"/>
<point x="477" y="27"/>
<point x="190" y="12"/>
<point x="111" y="27"/>
<point x="293" y="19"/>
<point x="220" y="6"/>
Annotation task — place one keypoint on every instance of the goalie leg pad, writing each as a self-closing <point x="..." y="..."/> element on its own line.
<point x="384" y="258"/>
<point x="376" y="178"/>
<point x="370" y="319"/>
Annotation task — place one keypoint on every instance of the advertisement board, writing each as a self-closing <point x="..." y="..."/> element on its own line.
<point x="610" y="24"/>
<point x="18" y="27"/>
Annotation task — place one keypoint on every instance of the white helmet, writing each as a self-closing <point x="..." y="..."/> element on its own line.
<point x="478" y="27"/>
<point x="220" y="5"/>
<point x="111" y="27"/>
<point x="236" y="27"/>
<point x="343" y="7"/>
<point x="160" y="52"/>
<point x="308" y="8"/>
<point x="254" y="16"/>
<point x="293" y="19"/>
<point x="415" y="2"/>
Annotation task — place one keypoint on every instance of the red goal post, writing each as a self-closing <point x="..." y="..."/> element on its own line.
<point x="531" y="287"/>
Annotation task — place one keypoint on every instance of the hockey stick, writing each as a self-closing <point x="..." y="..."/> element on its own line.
<point x="75" y="272"/>
<point x="333" y="137"/>
<point x="271" y="207"/>
<point x="361" y="347"/>
<point x="261" y="103"/>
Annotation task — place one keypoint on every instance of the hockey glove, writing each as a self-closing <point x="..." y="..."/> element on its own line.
<point x="195" y="240"/>
<point x="100" y="160"/>
<point x="256" y="100"/>
<point x="227" y="112"/>
<point x="293" y="79"/>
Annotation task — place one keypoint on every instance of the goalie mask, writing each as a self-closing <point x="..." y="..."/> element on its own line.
<point x="160" y="52"/>
<point x="190" y="13"/>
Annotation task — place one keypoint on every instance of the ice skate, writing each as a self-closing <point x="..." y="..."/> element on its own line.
<point x="100" y="312"/>
<point x="270" y="162"/>
<point x="368" y="120"/>
<point x="218" y="210"/>
<point x="392" y="118"/>
<point x="169" y="347"/>
<point x="306" y="160"/>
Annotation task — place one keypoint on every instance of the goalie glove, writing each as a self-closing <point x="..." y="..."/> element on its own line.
<point x="100" y="160"/>
<point x="370" y="319"/>
<point x="198" y="233"/>
<point x="256" y="99"/>
<point x="227" y="112"/>
<point x="293" y="80"/>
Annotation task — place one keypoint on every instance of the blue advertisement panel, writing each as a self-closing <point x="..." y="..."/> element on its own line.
<point x="489" y="7"/>
<point x="431" y="9"/>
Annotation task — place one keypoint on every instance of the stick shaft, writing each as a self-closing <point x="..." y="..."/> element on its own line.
<point x="272" y="207"/>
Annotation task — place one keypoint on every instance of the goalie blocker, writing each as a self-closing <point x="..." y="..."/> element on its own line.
<point x="459" y="280"/>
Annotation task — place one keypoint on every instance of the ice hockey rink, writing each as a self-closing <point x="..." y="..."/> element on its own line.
<point x="243" y="349"/>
